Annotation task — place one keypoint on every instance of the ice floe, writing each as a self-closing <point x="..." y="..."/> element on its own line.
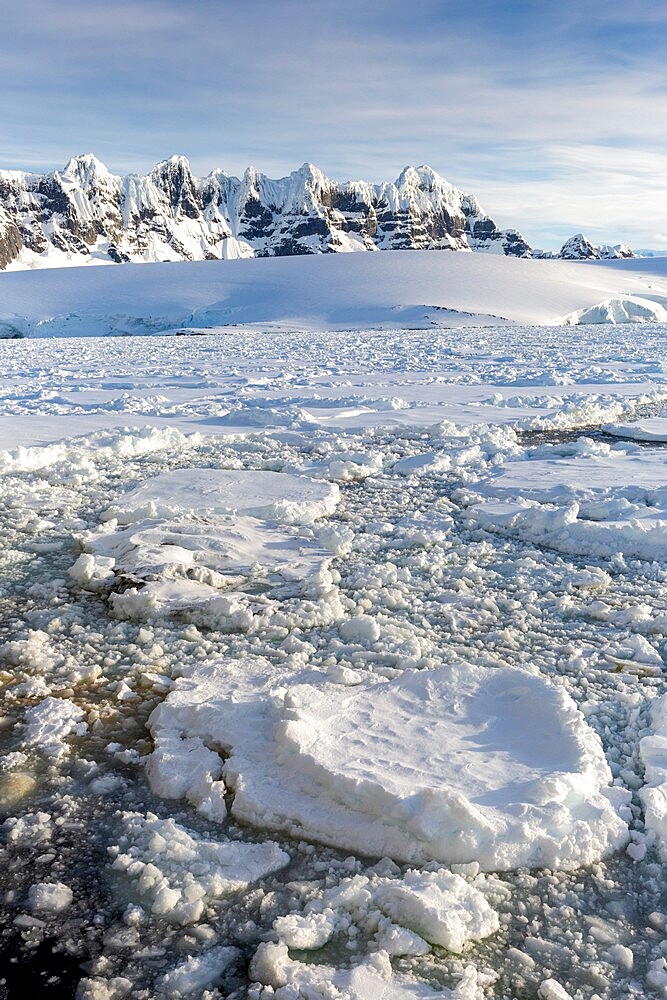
<point x="459" y="764"/>
<point x="599" y="504"/>
<point x="198" y="540"/>
<point x="49" y="897"/>
<point x="653" y="750"/>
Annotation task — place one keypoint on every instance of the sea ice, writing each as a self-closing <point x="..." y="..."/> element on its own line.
<point x="190" y="540"/>
<point x="176" y="871"/>
<point x="458" y="764"/>
<point x="372" y="979"/>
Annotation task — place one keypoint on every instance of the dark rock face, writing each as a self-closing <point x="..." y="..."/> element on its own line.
<point x="172" y="215"/>
<point x="579" y="248"/>
<point x="10" y="240"/>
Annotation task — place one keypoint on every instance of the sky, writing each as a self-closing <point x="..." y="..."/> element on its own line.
<point x="552" y="112"/>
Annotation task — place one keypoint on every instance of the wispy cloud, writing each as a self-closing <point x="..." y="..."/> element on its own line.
<point x="554" y="114"/>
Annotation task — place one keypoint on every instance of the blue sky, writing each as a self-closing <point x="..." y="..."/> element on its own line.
<point x="553" y="112"/>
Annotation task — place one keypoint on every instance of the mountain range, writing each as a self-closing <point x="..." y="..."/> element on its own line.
<point x="85" y="213"/>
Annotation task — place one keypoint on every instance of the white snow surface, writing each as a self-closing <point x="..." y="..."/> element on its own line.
<point x="394" y="290"/>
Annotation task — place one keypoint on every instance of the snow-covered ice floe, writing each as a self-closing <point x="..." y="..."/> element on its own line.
<point x="601" y="503"/>
<point x="653" y="749"/>
<point x="198" y="540"/>
<point x="459" y="764"/>
<point x="651" y="429"/>
<point x="368" y="980"/>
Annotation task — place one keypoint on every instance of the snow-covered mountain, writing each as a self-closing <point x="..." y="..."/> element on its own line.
<point x="580" y="248"/>
<point x="85" y="214"/>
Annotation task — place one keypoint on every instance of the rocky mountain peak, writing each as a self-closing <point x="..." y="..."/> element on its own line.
<point x="86" y="170"/>
<point x="174" y="177"/>
<point x="170" y="214"/>
<point x="578" y="247"/>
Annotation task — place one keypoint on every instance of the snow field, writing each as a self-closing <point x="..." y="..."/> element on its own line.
<point x="395" y="290"/>
<point x="422" y="590"/>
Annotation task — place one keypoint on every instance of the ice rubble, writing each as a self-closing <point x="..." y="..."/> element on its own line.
<point x="404" y="916"/>
<point x="193" y="975"/>
<point x="196" y="540"/>
<point x="176" y="872"/>
<point x="496" y="766"/>
<point x="288" y="979"/>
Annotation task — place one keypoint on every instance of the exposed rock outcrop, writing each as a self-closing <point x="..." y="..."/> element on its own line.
<point x="579" y="248"/>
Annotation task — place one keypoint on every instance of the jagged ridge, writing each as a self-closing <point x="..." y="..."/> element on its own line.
<point x="85" y="212"/>
<point x="579" y="248"/>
